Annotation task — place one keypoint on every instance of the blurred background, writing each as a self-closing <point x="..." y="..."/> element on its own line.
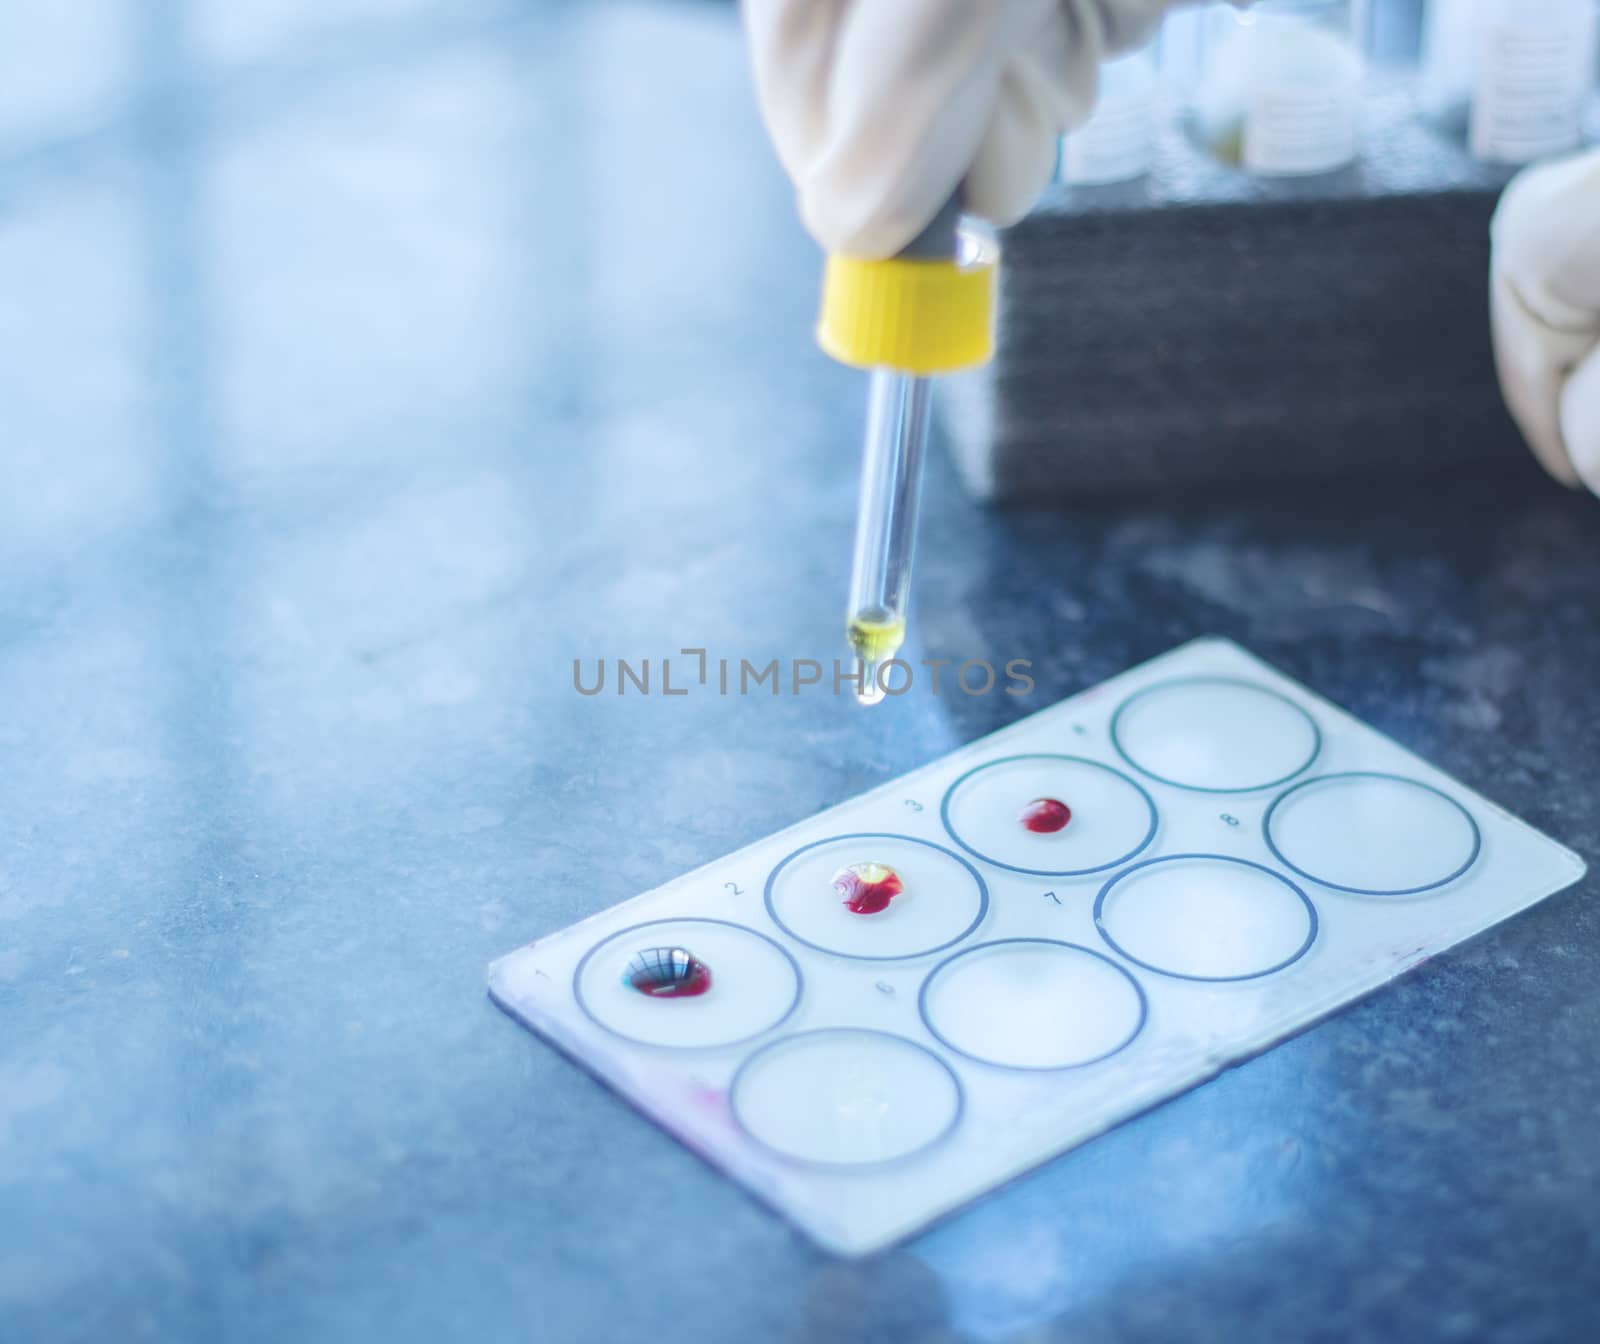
<point x="363" y="363"/>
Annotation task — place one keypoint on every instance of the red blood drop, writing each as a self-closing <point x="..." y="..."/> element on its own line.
<point x="1045" y="816"/>
<point x="867" y="888"/>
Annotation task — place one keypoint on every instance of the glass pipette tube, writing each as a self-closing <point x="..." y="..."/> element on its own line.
<point x="898" y="410"/>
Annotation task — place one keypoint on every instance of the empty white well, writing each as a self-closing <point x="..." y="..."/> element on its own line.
<point x="845" y="1097"/>
<point x="1206" y="917"/>
<point x="1372" y="834"/>
<point x="755" y="984"/>
<point x="1032" y="1003"/>
<point x="1215" y="734"/>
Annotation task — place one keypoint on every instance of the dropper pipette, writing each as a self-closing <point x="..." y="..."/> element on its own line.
<point x="925" y="311"/>
<point x="898" y="409"/>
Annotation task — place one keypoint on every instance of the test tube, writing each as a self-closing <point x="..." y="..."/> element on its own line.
<point x="1118" y="140"/>
<point x="1517" y="72"/>
<point x="898" y="410"/>
<point x="1448" y="66"/>
<point x="1280" y="92"/>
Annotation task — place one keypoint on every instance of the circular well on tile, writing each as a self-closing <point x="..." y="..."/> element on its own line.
<point x="1372" y="834"/>
<point x="942" y="901"/>
<point x="755" y="985"/>
<point x="1215" y="734"/>
<point x="1032" y="1003"/>
<point x="1206" y="917"/>
<point x="1113" y="818"/>
<point x="845" y="1097"/>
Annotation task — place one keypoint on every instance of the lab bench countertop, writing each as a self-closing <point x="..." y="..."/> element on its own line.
<point x="360" y="369"/>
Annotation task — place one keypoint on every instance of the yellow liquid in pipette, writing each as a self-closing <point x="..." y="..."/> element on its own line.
<point x="876" y="637"/>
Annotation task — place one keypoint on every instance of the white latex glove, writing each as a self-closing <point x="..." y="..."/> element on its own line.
<point x="880" y="109"/>
<point x="1545" y="312"/>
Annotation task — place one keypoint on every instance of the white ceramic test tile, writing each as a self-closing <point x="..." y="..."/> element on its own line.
<point x="1243" y="858"/>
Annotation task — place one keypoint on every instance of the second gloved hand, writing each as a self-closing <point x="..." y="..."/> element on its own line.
<point x="880" y="109"/>
<point x="1545" y="306"/>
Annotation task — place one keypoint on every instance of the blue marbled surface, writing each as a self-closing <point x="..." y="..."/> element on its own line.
<point x="361" y="364"/>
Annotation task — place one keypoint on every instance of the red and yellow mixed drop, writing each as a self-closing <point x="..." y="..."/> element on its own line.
<point x="867" y="888"/>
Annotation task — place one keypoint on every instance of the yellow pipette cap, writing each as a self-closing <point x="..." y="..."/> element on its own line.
<point x="917" y="315"/>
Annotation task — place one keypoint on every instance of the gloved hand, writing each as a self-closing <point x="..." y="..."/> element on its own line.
<point x="1545" y="312"/>
<point x="881" y="108"/>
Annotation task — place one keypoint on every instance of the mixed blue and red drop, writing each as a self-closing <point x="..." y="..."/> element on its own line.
<point x="667" y="973"/>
